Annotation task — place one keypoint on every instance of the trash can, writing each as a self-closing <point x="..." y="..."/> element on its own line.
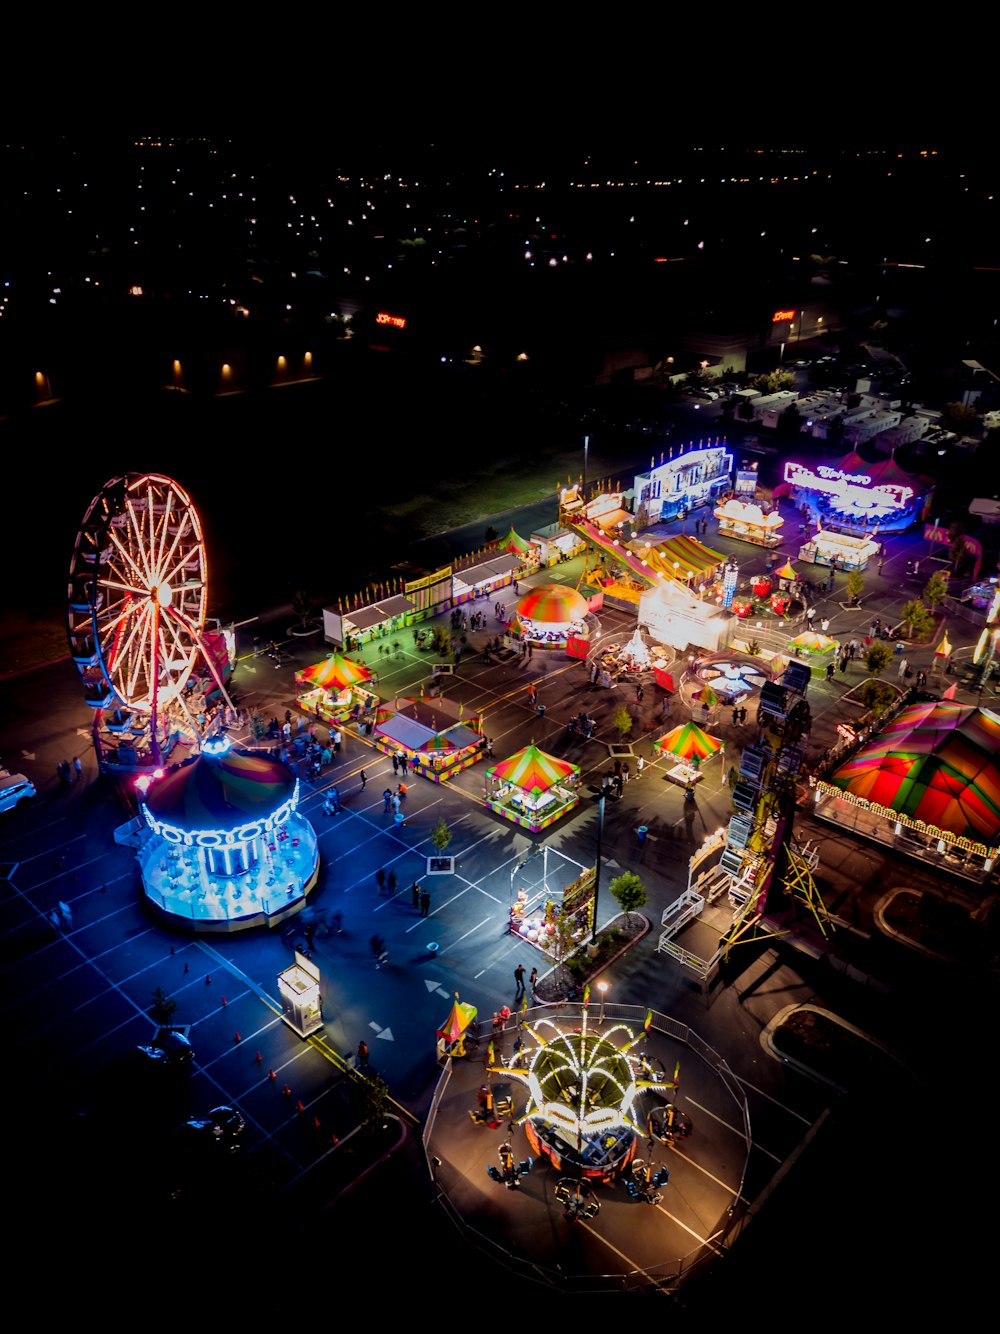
<point x="432" y="948"/>
<point x="642" y="831"/>
<point x="541" y="710"/>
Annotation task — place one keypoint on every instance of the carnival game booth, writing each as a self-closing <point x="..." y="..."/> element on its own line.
<point x="335" y="690"/>
<point x="747" y="522"/>
<point x="688" y="746"/>
<point x="552" y="901"/>
<point x="550" y="614"/>
<point x="928" y="784"/>
<point x="675" y="616"/>
<point x="484" y="578"/>
<point x="555" y="543"/>
<point x="363" y="625"/>
<point x="532" y="789"/>
<point x="226" y="847"/>
<point x="436" y="746"/>
<point x="839" y="550"/>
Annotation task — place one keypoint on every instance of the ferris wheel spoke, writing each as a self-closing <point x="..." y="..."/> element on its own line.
<point x="170" y="624"/>
<point x="139" y="541"/>
<point x="134" y="650"/>
<point x="130" y="561"/>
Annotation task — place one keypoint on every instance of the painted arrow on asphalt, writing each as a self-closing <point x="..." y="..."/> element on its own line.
<point x="384" y="1033"/>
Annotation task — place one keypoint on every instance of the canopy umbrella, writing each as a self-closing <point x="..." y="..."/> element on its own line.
<point x="459" y="1018"/>
<point x="532" y="770"/>
<point x="810" y="641"/>
<point x="777" y="666"/>
<point x="687" y="741"/>
<point x="936" y="764"/>
<point x="786" y="571"/>
<point x="944" y="649"/>
<point x="515" y="543"/>
<point x="334" y="673"/>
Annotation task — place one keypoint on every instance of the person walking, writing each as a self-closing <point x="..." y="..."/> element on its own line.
<point x="380" y="881"/>
<point x="743" y="714"/>
<point x="77" y="767"/>
<point x="391" y="883"/>
<point x="395" y="763"/>
<point x="404" y="761"/>
<point x="810" y="615"/>
<point x="519" y="980"/>
<point x="387" y="798"/>
<point x="425" y="902"/>
<point x="364" y="780"/>
<point x="824" y="624"/>
<point x="532" y="694"/>
<point x="736" y="716"/>
<point x="415" y="891"/>
<point x="363" y="1054"/>
<point x="489" y="747"/>
<point x="533" y="980"/>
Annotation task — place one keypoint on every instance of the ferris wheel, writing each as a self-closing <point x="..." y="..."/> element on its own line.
<point x="137" y="596"/>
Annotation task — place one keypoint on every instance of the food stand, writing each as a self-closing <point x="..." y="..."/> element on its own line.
<point x="435" y="748"/>
<point x="839" y="550"/>
<point x="336" y="691"/>
<point x="532" y="789"/>
<point x="689" y="745"/>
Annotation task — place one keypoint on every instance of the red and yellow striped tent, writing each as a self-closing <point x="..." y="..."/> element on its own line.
<point x="334" y="673"/>
<point x="532" y="770"/>
<point x="688" y="741"/>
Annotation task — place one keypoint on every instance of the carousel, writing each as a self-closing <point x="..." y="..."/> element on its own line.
<point x="335" y="690"/>
<point x="730" y="680"/>
<point x="633" y="659"/>
<point x="225" y="847"/>
<point x="551" y="614"/>
<point x="532" y="789"/>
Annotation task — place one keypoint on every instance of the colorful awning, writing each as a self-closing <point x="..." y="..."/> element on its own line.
<point x="459" y="1018"/>
<point x="334" y="673"/>
<point x="938" y="763"/>
<point x="687" y="741"/>
<point x="532" y="770"/>
<point x="220" y="792"/>
<point x="514" y="543"/>
<point x="691" y="557"/>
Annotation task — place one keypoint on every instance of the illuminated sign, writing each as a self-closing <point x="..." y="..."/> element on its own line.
<point x="780" y="315"/>
<point x="397" y="321"/>
<point x="851" y="491"/>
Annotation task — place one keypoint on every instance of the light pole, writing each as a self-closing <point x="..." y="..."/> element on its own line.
<point x="597" y="868"/>
<point x="583" y="489"/>
<point x="602" y="987"/>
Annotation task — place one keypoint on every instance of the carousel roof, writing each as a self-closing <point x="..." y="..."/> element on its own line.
<point x="883" y="472"/>
<point x="936" y="763"/>
<point x="532" y="770"/>
<point x="553" y="603"/>
<point x="689" y="740"/>
<point x="334" y="672"/>
<point x="220" y="791"/>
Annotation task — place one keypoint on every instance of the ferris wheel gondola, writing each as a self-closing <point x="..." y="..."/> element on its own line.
<point x="136" y="603"/>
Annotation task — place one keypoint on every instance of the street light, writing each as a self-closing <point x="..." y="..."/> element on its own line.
<point x="602" y="987"/>
<point x="583" y="489"/>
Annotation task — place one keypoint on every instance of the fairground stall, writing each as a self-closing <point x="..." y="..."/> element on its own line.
<point x="484" y="577"/>
<point x="550" y="614"/>
<point x="839" y="550"/>
<point x="436" y="743"/>
<point x="860" y="496"/>
<point x="928" y="785"/>
<point x="335" y="691"/>
<point x="675" y="616"/>
<point x="556" y="542"/>
<point x="225" y="847"/>
<point x="552" y="901"/>
<point x="532" y="789"/>
<point x="747" y="522"/>
<point x="366" y="623"/>
<point x="699" y="474"/>
<point x="687" y="747"/>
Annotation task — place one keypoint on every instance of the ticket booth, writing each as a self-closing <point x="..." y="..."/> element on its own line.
<point x="301" y="1006"/>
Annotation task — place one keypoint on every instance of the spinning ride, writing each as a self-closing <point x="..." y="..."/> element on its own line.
<point x="585" y="1090"/>
<point x="136" y="612"/>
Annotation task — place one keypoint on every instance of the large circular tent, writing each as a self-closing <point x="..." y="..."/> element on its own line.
<point x="226" y="847"/>
<point x="548" y="614"/>
<point x="934" y="774"/>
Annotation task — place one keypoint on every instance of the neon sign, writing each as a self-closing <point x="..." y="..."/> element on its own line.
<point x="397" y="321"/>
<point x="849" y="489"/>
<point x="780" y="315"/>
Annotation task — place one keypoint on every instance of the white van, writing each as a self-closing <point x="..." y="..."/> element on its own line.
<point x="15" y="790"/>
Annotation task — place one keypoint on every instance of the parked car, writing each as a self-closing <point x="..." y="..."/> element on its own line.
<point x="171" y="1046"/>
<point x="15" y="791"/>
<point x="222" y="1126"/>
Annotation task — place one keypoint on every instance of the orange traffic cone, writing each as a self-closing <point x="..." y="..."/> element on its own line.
<point x="238" y="1038"/>
<point x="224" y="1001"/>
<point x="271" y="1075"/>
<point x="259" y="1059"/>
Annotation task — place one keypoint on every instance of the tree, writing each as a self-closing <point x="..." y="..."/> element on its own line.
<point x="441" y="835"/>
<point x="878" y="657"/>
<point x="622" y="722"/>
<point x="936" y="589"/>
<point x="490" y="535"/>
<point x="876" y="696"/>
<point x="744" y="409"/>
<point x="855" y="584"/>
<point x="790" y="421"/>
<point x="771" y="382"/>
<point x="916" y="618"/>
<point x="373" y="1093"/>
<point x="961" y="417"/>
<point x="628" y="892"/>
<point x="163" y="1006"/>
<point x="302" y="606"/>
<point x="258" y="727"/>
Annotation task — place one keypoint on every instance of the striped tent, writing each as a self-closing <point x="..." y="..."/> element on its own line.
<point x="691" y="557"/>
<point x="514" y="543"/>
<point x="532" y="770"/>
<point x="553" y="604"/>
<point x="689" y="741"/>
<point x="335" y="672"/>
